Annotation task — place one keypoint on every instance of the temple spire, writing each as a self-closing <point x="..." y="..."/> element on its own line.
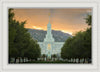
<point x="49" y="36"/>
<point x="49" y="17"/>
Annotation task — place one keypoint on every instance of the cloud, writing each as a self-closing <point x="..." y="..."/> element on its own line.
<point x="65" y="19"/>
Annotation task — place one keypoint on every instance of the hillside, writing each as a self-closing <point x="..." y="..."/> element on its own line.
<point x="39" y="35"/>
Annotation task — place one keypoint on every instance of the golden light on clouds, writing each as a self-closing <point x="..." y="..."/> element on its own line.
<point x="66" y="32"/>
<point x="37" y="28"/>
<point x="62" y="19"/>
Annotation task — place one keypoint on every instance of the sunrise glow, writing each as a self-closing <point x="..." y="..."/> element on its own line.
<point x="66" y="32"/>
<point x="65" y="20"/>
<point x="37" y="28"/>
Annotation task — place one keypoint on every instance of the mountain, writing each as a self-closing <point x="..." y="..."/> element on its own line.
<point x="39" y="35"/>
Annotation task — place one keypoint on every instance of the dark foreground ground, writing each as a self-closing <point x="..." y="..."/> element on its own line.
<point x="53" y="62"/>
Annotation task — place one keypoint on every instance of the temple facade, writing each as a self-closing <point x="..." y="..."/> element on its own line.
<point x="49" y="46"/>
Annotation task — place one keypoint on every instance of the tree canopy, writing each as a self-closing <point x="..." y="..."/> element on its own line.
<point x="21" y="44"/>
<point x="78" y="46"/>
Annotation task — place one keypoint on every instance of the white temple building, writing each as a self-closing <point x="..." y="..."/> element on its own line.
<point x="49" y="46"/>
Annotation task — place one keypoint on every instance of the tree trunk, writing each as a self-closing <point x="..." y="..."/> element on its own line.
<point x="15" y="60"/>
<point x="75" y="60"/>
<point x="23" y="59"/>
<point x="36" y="59"/>
<point x="19" y="59"/>
<point x="72" y="60"/>
<point x="9" y="60"/>
<point x="28" y="59"/>
<point x="78" y="60"/>
<point x="84" y="60"/>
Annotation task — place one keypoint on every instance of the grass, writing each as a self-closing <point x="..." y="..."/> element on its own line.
<point x="50" y="62"/>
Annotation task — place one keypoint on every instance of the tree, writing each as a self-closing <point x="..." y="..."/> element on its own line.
<point x="54" y="56"/>
<point x="20" y="41"/>
<point x="79" y="46"/>
<point x="88" y="19"/>
<point x="13" y="52"/>
<point x="43" y="56"/>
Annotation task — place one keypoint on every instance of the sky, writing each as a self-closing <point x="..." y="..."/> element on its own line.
<point x="67" y="20"/>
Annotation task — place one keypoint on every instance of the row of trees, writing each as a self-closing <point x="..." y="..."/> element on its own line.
<point x="52" y="56"/>
<point x="79" y="46"/>
<point x="21" y="43"/>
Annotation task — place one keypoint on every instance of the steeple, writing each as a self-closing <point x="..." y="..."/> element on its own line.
<point x="49" y="37"/>
<point x="49" y="17"/>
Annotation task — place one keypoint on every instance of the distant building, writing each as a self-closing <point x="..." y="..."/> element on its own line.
<point x="49" y="46"/>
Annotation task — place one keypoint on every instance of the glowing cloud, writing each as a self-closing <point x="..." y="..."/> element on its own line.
<point x="37" y="28"/>
<point x="66" y="32"/>
<point x="63" y="19"/>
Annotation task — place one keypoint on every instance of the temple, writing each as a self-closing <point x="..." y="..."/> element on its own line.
<point x="49" y="46"/>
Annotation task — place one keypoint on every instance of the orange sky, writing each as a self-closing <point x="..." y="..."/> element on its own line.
<point x="68" y="20"/>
